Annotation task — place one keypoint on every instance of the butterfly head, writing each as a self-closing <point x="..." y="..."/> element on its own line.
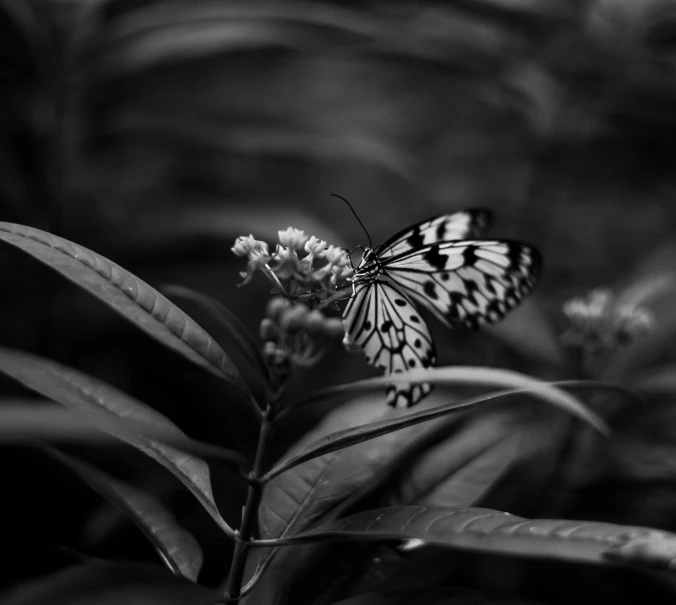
<point x="369" y="260"/>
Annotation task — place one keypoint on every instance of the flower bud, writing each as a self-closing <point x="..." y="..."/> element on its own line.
<point x="276" y="305"/>
<point x="268" y="329"/>
<point x="333" y="327"/>
<point x="314" y="322"/>
<point x="293" y="319"/>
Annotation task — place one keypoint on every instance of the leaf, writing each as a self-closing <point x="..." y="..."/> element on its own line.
<point x="178" y="548"/>
<point x="661" y="381"/>
<point x="501" y="457"/>
<point x="497" y="532"/>
<point x="132" y="298"/>
<point x="306" y="492"/>
<point x="99" y="583"/>
<point x="80" y="392"/>
<point x="318" y="489"/>
<point x="33" y="27"/>
<point x="26" y="419"/>
<point x="173" y="32"/>
<point x="351" y="436"/>
<point x="283" y="140"/>
<point x="463" y="467"/>
<point x="220" y="313"/>
<point x="467" y="375"/>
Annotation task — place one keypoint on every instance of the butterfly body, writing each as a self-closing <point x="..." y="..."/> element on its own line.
<point x="462" y="282"/>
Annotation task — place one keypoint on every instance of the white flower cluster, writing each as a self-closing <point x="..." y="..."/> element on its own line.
<point x="292" y="265"/>
<point x="598" y="321"/>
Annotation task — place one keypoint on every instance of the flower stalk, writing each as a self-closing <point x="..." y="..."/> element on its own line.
<point x="294" y="332"/>
<point x="243" y="536"/>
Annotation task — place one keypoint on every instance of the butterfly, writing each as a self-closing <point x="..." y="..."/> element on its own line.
<point x="441" y="266"/>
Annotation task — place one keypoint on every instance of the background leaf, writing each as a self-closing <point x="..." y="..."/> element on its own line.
<point x="354" y="435"/>
<point x="178" y="548"/>
<point x="474" y="376"/>
<point x="528" y="331"/>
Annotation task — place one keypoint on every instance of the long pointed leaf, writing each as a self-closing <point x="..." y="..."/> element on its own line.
<point x="25" y="420"/>
<point x="131" y="297"/>
<point x="80" y="392"/>
<point x="22" y="421"/>
<point x="497" y="532"/>
<point x="462" y="375"/>
<point x="351" y="436"/>
<point x="178" y="548"/>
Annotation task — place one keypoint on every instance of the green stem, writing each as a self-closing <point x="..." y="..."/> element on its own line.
<point x="233" y="584"/>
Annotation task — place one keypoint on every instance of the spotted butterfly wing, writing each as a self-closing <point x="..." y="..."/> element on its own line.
<point x="466" y="283"/>
<point x="447" y="227"/>
<point x="378" y="303"/>
<point x="386" y="326"/>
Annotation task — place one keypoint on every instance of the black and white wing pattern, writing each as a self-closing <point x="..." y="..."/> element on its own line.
<point x="466" y="283"/>
<point x="466" y="224"/>
<point x="463" y="282"/>
<point x="387" y="327"/>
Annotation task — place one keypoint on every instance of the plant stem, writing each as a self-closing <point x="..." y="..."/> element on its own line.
<point x="233" y="584"/>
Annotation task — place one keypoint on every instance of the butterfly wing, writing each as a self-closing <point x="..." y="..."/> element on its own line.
<point x="466" y="283"/>
<point x="447" y="227"/>
<point x="386" y="326"/>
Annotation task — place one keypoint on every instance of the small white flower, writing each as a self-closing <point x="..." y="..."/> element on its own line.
<point x="247" y="245"/>
<point x="341" y="274"/>
<point x="597" y="321"/>
<point x="315" y="247"/>
<point x="599" y="303"/>
<point x="292" y="238"/>
<point x="286" y="263"/>
<point x="337" y="257"/>
<point x="634" y="321"/>
<point x="257" y="252"/>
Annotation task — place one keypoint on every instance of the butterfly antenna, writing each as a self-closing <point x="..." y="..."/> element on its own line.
<point x="355" y="216"/>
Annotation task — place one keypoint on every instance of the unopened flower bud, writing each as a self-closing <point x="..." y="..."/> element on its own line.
<point x="314" y="322"/>
<point x="275" y="357"/>
<point x="276" y="306"/>
<point x="293" y="319"/>
<point x="333" y="327"/>
<point x="268" y="329"/>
